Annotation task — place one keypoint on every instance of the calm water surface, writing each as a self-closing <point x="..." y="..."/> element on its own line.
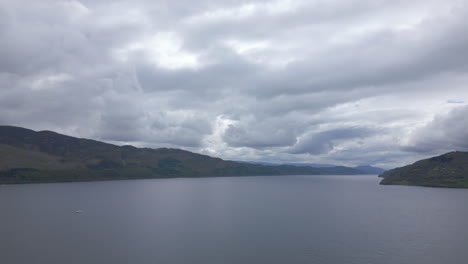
<point x="287" y="219"/>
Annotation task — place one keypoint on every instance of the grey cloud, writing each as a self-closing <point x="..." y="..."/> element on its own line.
<point x="59" y="71"/>
<point x="254" y="137"/>
<point x="307" y="14"/>
<point x="445" y="133"/>
<point x="381" y="57"/>
<point x="324" y="141"/>
<point x="134" y="129"/>
<point x="120" y="128"/>
<point x="377" y="64"/>
<point x="455" y="102"/>
<point x="211" y="78"/>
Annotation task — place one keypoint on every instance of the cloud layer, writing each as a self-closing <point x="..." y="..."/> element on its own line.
<point x="344" y="82"/>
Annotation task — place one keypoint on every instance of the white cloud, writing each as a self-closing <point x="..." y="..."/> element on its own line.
<point x="74" y="9"/>
<point x="244" y="10"/>
<point x="49" y="81"/>
<point x="164" y="49"/>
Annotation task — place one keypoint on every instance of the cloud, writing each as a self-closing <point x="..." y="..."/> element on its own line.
<point x="283" y="80"/>
<point x="326" y="141"/>
<point x="259" y="134"/>
<point x="455" y="102"/>
<point x="446" y="132"/>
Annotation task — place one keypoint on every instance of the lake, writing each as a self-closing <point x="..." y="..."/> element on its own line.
<point x="276" y="219"/>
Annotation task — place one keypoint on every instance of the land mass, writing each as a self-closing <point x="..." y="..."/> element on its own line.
<point x="331" y="169"/>
<point x="447" y="170"/>
<point x="28" y="156"/>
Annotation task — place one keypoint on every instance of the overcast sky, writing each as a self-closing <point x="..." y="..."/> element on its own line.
<point x="346" y="82"/>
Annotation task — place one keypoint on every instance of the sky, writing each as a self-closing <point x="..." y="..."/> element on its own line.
<point x="380" y="82"/>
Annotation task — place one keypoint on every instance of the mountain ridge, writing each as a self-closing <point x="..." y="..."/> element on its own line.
<point x="30" y="156"/>
<point x="447" y="170"/>
<point x="329" y="168"/>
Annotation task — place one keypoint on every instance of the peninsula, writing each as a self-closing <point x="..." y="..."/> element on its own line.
<point x="447" y="170"/>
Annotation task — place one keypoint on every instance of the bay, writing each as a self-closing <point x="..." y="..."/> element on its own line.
<point x="276" y="219"/>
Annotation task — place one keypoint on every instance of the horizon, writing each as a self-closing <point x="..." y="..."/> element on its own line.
<point x="304" y="163"/>
<point x="287" y="81"/>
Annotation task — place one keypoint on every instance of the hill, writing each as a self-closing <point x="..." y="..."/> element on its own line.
<point x="447" y="170"/>
<point x="366" y="169"/>
<point x="332" y="169"/>
<point x="28" y="156"/>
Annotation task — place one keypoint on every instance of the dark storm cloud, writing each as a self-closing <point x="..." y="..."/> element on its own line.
<point x="286" y="80"/>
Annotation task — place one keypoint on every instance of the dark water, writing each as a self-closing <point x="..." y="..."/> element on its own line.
<point x="290" y="219"/>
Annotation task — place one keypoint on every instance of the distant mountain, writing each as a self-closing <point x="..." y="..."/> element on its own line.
<point x="28" y="156"/>
<point x="367" y="169"/>
<point x="315" y="165"/>
<point x="332" y="169"/>
<point x="297" y="164"/>
<point x="259" y="162"/>
<point x="447" y="170"/>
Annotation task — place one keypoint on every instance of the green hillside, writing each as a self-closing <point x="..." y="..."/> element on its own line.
<point x="29" y="156"/>
<point x="448" y="170"/>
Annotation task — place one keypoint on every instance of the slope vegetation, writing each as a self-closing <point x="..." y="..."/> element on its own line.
<point x="447" y="170"/>
<point x="45" y="156"/>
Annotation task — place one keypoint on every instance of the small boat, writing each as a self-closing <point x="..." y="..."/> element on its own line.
<point x="78" y="211"/>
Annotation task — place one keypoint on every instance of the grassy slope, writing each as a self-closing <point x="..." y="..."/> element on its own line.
<point x="45" y="156"/>
<point x="14" y="157"/>
<point x="448" y="170"/>
<point x="29" y="156"/>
